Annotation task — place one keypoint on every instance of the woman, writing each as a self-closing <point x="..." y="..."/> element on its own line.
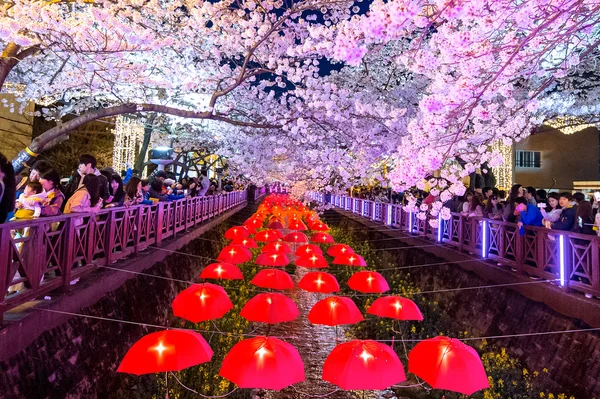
<point x="476" y="209"/>
<point x="86" y="198"/>
<point x="466" y="206"/>
<point x="7" y="188"/>
<point x="516" y="191"/>
<point x="117" y="194"/>
<point x="553" y="210"/>
<point x="133" y="191"/>
<point x="50" y="181"/>
<point x="584" y="223"/>
<point x="493" y="209"/>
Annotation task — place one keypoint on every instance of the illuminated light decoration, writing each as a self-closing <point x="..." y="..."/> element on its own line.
<point x="252" y="224"/>
<point x="202" y="302"/>
<point x="237" y="232"/>
<point x="395" y="307"/>
<point x="308" y="249"/>
<point x="322" y="238"/>
<point x="275" y="224"/>
<point x="349" y="260"/>
<point x="295" y="237"/>
<point x="275" y="259"/>
<point x="368" y="282"/>
<point x="273" y="279"/>
<point x="277" y="247"/>
<point x="447" y="363"/>
<point x="235" y="254"/>
<point x="312" y="261"/>
<point x="410" y="222"/>
<point x="245" y="242"/>
<point x="505" y="172"/>
<point x="321" y="282"/>
<point x="562" y="259"/>
<point x="128" y="136"/>
<point x="252" y="363"/>
<point x="319" y="226"/>
<point x="484" y="239"/>
<point x="339" y="249"/>
<point x="440" y="229"/>
<point x="363" y="365"/>
<point x="389" y="209"/>
<point x="224" y="271"/>
<point x="569" y="124"/>
<point x="266" y="236"/>
<point x="297" y="225"/>
<point x="334" y="311"/>
<point x="271" y="308"/>
<point x="163" y="351"/>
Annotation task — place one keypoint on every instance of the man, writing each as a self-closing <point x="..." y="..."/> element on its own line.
<point x="39" y="168"/>
<point x="87" y="166"/>
<point x="529" y="195"/>
<point x="530" y="214"/>
<point x="568" y="215"/>
<point x="578" y="197"/>
<point x="204" y="183"/>
<point x="487" y="192"/>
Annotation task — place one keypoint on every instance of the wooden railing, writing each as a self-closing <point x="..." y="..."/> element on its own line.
<point x="46" y="254"/>
<point x="572" y="260"/>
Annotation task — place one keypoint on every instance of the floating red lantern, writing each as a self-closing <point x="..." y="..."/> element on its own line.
<point x="275" y="224"/>
<point x="235" y="254"/>
<point x="312" y="261"/>
<point x="319" y="282"/>
<point x="275" y="259"/>
<point x="368" y="282"/>
<point x="395" y="307"/>
<point x="295" y="237"/>
<point x="363" y="365"/>
<point x="322" y="238"/>
<point x="334" y="311"/>
<point x="339" y="249"/>
<point x="263" y="363"/>
<point x="447" y="363"/>
<point x="277" y="247"/>
<point x="296" y="224"/>
<point x="349" y="260"/>
<point x="308" y="249"/>
<point x="222" y="270"/>
<point x="169" y="350"/>
<point x="202" y="302"/>
<point x="273" y="279"/>
<point x="266" y="236"/>
<point x="271" y="308"/>
<point x="246" y="242"/>
<point x="237" y="232"/>
<point x="319" y="226"/>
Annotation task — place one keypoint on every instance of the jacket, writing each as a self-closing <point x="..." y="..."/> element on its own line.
<point x="567" y="219"/>
<point x="76" y="178"/>
<point x="531" y="217"/>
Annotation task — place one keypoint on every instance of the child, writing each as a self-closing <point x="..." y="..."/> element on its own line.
<point x="29" y="204"/>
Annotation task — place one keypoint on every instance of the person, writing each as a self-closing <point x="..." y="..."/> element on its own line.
<point x="39" y="168"/>
<point x="29" y="204"/>
<point x="568" y="216"/>
<point x="578" y="197"/>
<point x="553" y="210"/>
<point x="487" y="192"/>
<point x="211" y="190"/>
<point x="466" y="205"/>
<point x="493" y="209"/>
<point x="585" y="221"/>
<point x="117" y="194"/>
<point x="156" y="190"/>
<point x="204" y="183"/>
<point x="146" y="192"/>
<point x="50" y="181"/>
<point x="476" y="209"/>
<point x="541" y="195"/>
<point x="193" y="187"/>
<point x="87" y="166"/>
<point x="8" y="188"/>
<point x="529" y="195"/>
<point x="133" y="192"/>
<point x="86" y="198"/>
<point x="530" y="215"/>
<point x="509" y="215"/>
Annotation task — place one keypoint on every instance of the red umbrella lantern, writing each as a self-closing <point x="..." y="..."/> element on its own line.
<point x="319" y="282"/>
<point x="312" y="261"/>
<point x="319" y="226"/>
<point x="349" y="260"/>
<point x="277" y="247"/>
<point x="271" y="308"/>
<point x="334" y="311"/>
<point x="222" y="270"/>
<point x="308" y="249"/>
<point x="272" y="259"/>
<point x="202" y="302"/>
<point x="295" y="237"/>
<point x="235" y="254"/>
<point x="252" y="224"/>
<point x="273" y="279"/>
<point x="246" y="242"/>
<point x="169" y="350"/>
<point x="266" y="236"/>
<point x="275" y="224"/>
<point x="263" y="363"/>
<point x="237" y="232"/>
<point x="395" y="307"/>
<point x="368" y="282"/>
<point x="363" y="365"/>
<point x="322" y="238"/>
<point x="297" y="225"/>
<point x="447" y="363"/>
<point x="339" y="249"/>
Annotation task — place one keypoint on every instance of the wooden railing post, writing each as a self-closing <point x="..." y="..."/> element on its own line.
<point x="68" y="252"/>
<point x="109" y="230"/>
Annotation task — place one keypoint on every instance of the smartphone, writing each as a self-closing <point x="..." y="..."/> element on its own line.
<point x="185" y="192"/>
<point x="541" y="205"/>
<point x="597" y="196"/>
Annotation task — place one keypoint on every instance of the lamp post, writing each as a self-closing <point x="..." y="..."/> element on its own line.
<point x="161" y="156"/>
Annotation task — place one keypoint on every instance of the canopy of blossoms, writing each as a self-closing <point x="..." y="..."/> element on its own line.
<point x="318" y="93"/>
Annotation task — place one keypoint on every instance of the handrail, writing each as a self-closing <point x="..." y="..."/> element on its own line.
<point x="45" y="254"/>
<point x="572" y="260"/>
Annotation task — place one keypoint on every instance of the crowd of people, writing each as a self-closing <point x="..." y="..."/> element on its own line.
<point x="40" y="192"/>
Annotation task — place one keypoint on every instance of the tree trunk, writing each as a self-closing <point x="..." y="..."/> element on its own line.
<point x="139" y="160"/>
<point x="11" y="56"/>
